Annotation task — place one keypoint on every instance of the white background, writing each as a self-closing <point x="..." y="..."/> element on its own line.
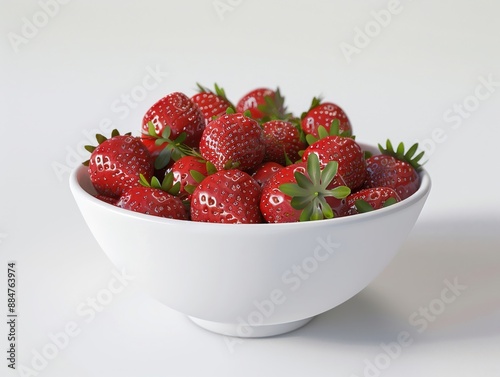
<point x="67" y="77"/>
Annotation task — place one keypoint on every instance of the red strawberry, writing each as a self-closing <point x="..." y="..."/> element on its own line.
<point x="371" y="199"/>
<point x="107" y="199"/>
<point x="153" y="201"/>
<point x="323" y="114"/>
<point x="282" y="138"/>
<point x="211" y="104"/>
<point x="344" y="150"/>
<point x="189" y="171"/>
<point x="395" y="169"/>
<point x="264" y="104"/>
<point x="303" y="192"/>
<point x="116" y="164"/>
<point x="265" y="171"/>
<point x="227" y="196"/>
<point x="233" y="140"/>
<point x="178" y="112"/>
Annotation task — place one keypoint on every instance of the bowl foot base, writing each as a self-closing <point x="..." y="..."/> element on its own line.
<point x="247" y="331"/>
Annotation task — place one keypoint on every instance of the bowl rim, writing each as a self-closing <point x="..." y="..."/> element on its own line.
<point x="81" y="172"/>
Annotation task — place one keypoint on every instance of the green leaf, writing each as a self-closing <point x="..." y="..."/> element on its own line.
<point x="409" y="154"/>
<point x="367" y="154"/>
<point x="115" y="133"/>
<point x="401" y="149"/>
<point x="159" y="142"/>
<point x="166" y="133"/>
<point x="201" y="88"/>
<point x="90" y="148"/>
<point x="168" y="181"/>
<point x="143" y="181"/>
<point x="163" y="159"/>
<point x="306" y="213"/>
<point x="100" y="138"/>
<point x="303" y="181"/>
<point x="389" y="202"/>
<point x="152" y="130"/>
<point x="326" y="209"/>
<point x="300" y="202"/>
<point x="292" y="189"/>
<point x="310" y="139"/>
<point x="197" y="176"/>
<point x="340" y="192"/>
<point x="189" y="188"/>
<point x="313" y="168"/>
<point x="328" y="173"/>
<point x="176" y="154"/>
<point x="363" y="206"/>
<point x="322" y="132"/>
<point x="335" y="128"/>
<point x="175" y="189"/>
<point x="155" y="183"/>
<point x="317" y="213"/>
<point x="211" y="169"/>
<point x="389" y="146"/>
<point x="230" y="110"/>
<point x="181" y="138"/>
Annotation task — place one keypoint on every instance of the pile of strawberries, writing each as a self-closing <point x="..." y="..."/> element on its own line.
<point x="205" y="159"/>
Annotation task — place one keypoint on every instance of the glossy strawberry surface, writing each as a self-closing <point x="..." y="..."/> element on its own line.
<point x="282" y="138"/>
<point x="265" y="171"/>
<point x="115" y="165"/>
<point x="253" y="100"/>
<point x="276" y="206"/>
<point x="388" y="171"/>
<point x="210" y="104"/>
<point x="234" y="140"/>
<point x="375" y="197"/>
<point x="178" y="112"/>
<point x="323" y="115"/>
<point x="185" y="171"/>
<point x="153" y="201"/>
<point x="227" y="196"/>
<point x="344" y="150"/>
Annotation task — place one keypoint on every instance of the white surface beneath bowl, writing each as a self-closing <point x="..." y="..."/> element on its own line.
<point x="243" y="330"/>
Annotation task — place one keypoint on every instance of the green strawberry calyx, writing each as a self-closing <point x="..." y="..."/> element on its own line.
<point x="219" y="92"/>
<point x="274" y="108"/>
<point x="316" y="101"/>
<point x="402" y="155"/>
<point x="199" y="177"/>
<point x="166" y="185"/>
<point x="101" y="139"/>
<point x="362" y="206"/>
<point x="310" y="192"/>
<point x="334" y="130"/>
<point x="174" y="149"/>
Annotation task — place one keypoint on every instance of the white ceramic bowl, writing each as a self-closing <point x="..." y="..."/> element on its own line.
<point x="249" y="280"/>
